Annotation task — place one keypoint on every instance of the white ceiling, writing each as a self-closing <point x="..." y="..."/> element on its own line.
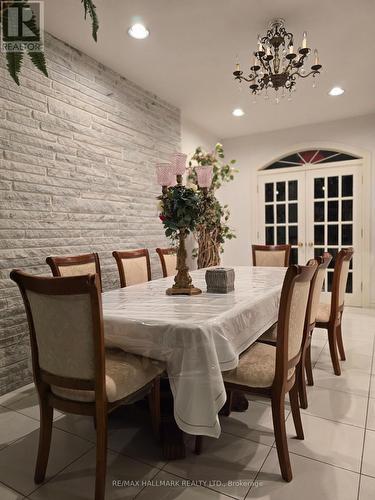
<point x="190" y="54"/>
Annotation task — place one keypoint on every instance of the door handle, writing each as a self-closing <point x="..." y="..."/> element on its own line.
<point x="311" y="244"/>
<point x="300" y="244"/>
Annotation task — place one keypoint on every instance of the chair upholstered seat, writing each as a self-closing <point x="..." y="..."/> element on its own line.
<point x="324" y="311"/>
<point x="256" y="367"/>
<point x="270" y="335"/>
<point x="125" y="374"/>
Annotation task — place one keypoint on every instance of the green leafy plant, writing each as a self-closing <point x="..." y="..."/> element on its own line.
<point x="180" y="210"/>
<point x="15" y="59"/>
<point x="212" y="229"/>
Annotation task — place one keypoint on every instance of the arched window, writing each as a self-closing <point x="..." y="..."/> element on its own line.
<point x="312" y="156"/>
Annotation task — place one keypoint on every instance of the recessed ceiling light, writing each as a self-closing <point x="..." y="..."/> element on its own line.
<point x="238" y="112"/>
<point x="138" y="31"/>
<point x="336" y="91"/>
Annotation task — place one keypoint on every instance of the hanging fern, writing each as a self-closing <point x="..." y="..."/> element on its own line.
<point x="14" y="59"/>
<point x="90" y="9"/>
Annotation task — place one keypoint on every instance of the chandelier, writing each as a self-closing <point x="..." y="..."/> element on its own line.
<point x="277" y="64"/>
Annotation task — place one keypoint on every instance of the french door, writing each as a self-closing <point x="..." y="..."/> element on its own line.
<point x="315" y="209"/>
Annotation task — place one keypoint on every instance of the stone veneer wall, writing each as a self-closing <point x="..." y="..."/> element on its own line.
<point x="77" y="155"/>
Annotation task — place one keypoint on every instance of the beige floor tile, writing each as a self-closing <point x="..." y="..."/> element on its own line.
<point x="17" y="461"/>
<point x="254" y="424"/>
<point x="167" y="487"/>
<point x="371" y="414"/>
<point x="312" y="480"/>
<point x="356" y="358"/>
<point x="29" y="405"/>
<point x="372" y="386"/>
<point x="368" y="464"/>
<point x="351" y="380"/>
<point x="8" y="494"/>
<point x="78" y="425"/>
<point x="18" y="394"/>
<point x="226" y="459"/>
<point x="77" y="482"/>
<point x="13" y="426"/>
<point x="327" y="441"/>
<point x="336" y="405"/>
<point x="367" y="488"/>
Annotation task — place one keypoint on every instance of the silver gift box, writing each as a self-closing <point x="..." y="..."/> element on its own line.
<point x="220" y="280"/>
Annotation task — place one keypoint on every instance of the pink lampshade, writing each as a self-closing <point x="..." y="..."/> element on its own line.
<point x="204" y="176"/>
<point x="179" y="163"/>
<point x="164" y="174"/>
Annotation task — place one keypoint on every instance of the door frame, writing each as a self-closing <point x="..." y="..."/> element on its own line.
<point x="366" y="188"/>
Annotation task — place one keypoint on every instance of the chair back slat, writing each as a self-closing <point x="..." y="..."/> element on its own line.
<point x="75" y="265"/>
<point x="168" y="261"/>
<point x="317" y="285"/>
<point x="133" y="266"/>
<point x="271" y="255"/>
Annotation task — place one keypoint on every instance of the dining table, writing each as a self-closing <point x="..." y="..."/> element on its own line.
<point x="197" y="337"/>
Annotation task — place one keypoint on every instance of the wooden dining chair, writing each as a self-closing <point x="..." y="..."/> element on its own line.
<point x="271" y="370"/>
<point x="72" y="371"/>
<point x="270" y="336"/>
<point x="329" y="315"/>
<point x="168" y="261"/>
<point x="75" y="265"/>
<point x="133" y="266"/>
<point x="271" y="255"/>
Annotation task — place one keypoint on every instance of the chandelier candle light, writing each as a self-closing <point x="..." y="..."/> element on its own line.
<point x="276" y="63"/>
<point x="180" y="214"/>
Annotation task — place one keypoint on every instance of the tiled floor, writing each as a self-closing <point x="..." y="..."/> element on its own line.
<point x="335" y="461"/>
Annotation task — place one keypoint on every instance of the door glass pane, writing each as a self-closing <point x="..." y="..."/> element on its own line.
<point x="347" y="234"/>
<point x="333" y="211"/>
<point x="319" y="211"/>
<point x="318" y="252"/>
<point x="293" y="212"/>
<point x="347" y="185"/>
<point x="269" y="214"/>
<point x="270" y="237"/>
<point x="319" y="187"/>
<point x="333" y="187"/>
<point x="293" y="256"/>
<point x="280" y="191"/>
<point x="292" y="187"/>
<point x="293" y="235"/>
<point x="281" y="237"/>
<point x="333" y="252"/>
<point x="349" y="283"/>
<point x="268" y="191"/>
<point x="280" y="214"/>
<point x="319" y="235"/>
<point x="347" y="210"/>
<point x="333" y="234"/>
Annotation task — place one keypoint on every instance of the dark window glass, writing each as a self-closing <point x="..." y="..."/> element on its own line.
<point x="269" y="214"/>
<point x="347" y="210"/>
<point x="333" y="187"/>
<point x="344" y="157"/>
<point x="329" y="280"/>
<point x="280" y="214"/>
<point x="319" y="211"/>
<point x="293" y="189"/>
<point x="347" y="185"/>
<point x="324" y="153"/>
<point x="349" y="283"/>
<point x="319" y="187"/>
<point x="268" y="191"/>
<point x="319" y="235"/>
<point x="293" y="256"/>
<point x="333" y="252"/>
<point x="280" y="191"/>
<point x="312" y="156"/>
<point x="293" y="235"/>
<point x="270" y="236"/>
<point x="293" y="159"/>
<point x="333" y="235"/>
<point x="281" y="235"/>
<point x="333" y="211"/>
<point x="309" y="155"/>
<point x="293" y="212"/>
<point x="347" y="234"/>
<point x="318" y="252"/>
<point x="277" y="164"/>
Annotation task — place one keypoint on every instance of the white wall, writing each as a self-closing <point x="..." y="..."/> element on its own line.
<point x="254" y="151"/>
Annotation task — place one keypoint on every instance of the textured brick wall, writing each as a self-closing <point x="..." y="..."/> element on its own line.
<point x="77" y="155"/>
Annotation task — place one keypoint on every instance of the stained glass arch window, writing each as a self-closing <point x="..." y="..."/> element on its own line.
<point x="311" y="157"/>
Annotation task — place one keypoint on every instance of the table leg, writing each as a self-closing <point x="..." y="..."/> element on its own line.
<point x="239" y="401"/>
<point x="172" y="437"/>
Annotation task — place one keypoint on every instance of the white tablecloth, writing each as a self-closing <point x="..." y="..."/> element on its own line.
<point x="197" y="336"/>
